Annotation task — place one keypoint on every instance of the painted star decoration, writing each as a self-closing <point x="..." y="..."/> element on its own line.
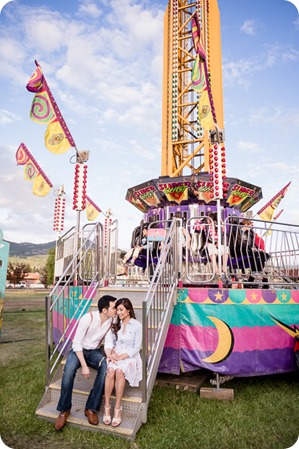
<point x="218" y="296"/>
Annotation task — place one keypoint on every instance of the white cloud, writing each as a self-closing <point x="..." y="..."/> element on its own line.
<point x="278" y="115"/>
<point x="283" y="167"/>
<point x="250" y="27"/>
<point x="248" y="147"/>
<point x="241" y="72"/>
<point x="7" y="117"/>
<point x="89" y="9"/>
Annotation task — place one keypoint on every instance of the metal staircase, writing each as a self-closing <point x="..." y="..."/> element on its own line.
<point x="153" y="305"/>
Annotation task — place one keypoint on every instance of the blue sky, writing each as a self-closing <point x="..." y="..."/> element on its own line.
<point x="103" y="62"/>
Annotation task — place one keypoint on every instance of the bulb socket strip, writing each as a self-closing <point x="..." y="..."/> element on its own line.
<point x="175" y="76"/>
<point x="59" y="212"/>
<point x="107" y="224"/>
<point x="217" y="170"/>
<point x="80" y="183"/>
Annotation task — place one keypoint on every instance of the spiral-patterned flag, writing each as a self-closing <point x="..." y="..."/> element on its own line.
<point x="198" y="76"/>
<point x="35" y="83"/>
<point x="197" y="38"/>
<point x="44" y="110"/>
<point x="22" y="155"/>
<point x="30" y="171"/>
<point x="41" y="109"/>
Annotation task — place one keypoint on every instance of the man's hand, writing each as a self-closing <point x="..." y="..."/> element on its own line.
<point x="85" y="372"/>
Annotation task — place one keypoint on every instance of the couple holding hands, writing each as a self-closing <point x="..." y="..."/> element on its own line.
<point x="114" y="324"/>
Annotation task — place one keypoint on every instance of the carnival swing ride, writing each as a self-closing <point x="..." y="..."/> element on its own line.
<point x="234" y="312"/>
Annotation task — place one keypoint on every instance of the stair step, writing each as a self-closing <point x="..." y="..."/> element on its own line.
<point x="78" y="419"/>
<point x="130" y="405"/>
<point x="121" y="290"/>
<point x="134" y="410"/>
<point x="83" y="386"/>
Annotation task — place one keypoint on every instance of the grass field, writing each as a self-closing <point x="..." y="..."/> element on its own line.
<point x="263" y="415"/>
<point x="34" y="261"/>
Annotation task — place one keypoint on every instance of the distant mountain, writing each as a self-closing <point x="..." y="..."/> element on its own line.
<point x="29" y="249"/>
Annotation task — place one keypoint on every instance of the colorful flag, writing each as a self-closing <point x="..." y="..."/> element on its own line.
<point x="41" y="110"/>
<point x="22" y="154"/>
<point x="40" y="185"/>
<point x="200" y="80"/>
<point x="196" y="38"/>
<point x="35" y="83"/>
<point x="198" y="76"/>
<point x="33" y="172"/>
<point x="205" y="115"/>
<point x="55" y="139"/>
<point x="92" y="210"/>
<point x="267" y="212"/>
<point x="198" y="72"/>
<point x="45" y="110"/>
<point x="30" y="171"/>
<point x="269" y="230"/>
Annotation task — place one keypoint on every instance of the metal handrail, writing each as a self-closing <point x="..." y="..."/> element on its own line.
<point x="156" y="308"/>
<point x="56" y="349"/>
<point x="275" y="267"/>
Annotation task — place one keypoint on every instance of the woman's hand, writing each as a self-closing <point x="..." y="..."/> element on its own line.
<point x="118" y="357"/>
<point x="110" y="357"/>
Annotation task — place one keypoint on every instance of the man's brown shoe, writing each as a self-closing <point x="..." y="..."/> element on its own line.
<point x="92" y="417"/>
<point x="61" y="420"/>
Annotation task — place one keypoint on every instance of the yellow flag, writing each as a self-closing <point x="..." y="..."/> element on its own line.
<point x="91" y="212"/>
<point x="204" y="112"/>
<point x="267" y="212"/>
<point x="55" y="139"/>
<point x="40" y="186"/>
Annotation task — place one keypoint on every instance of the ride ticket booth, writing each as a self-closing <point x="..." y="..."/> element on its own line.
<point x="4" y="253"/>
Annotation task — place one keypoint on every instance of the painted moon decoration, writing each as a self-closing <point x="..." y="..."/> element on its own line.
<point x="225" y="342"/>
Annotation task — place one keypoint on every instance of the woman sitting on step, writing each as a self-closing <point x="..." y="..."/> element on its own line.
<point x="122" y="347"/>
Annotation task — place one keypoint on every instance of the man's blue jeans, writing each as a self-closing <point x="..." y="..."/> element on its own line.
<point x="93" y="357"/>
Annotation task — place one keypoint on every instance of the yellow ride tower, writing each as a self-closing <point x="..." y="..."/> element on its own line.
<point x="193" y="169"/>
<point x="185" y="142"/>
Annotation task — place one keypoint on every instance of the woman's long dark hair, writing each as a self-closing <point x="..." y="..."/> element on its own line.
<point x="128" y="305"/>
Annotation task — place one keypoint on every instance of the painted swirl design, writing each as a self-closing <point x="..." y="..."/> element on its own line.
<point x="41" y="110"/>
<point x="30" y="171"/>
<point x="21" y="156"/>
<point x="35" y="82"/>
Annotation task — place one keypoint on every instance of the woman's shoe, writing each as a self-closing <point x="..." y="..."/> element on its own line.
<point x="107" y="416"/>
<point x="117" y="417"/>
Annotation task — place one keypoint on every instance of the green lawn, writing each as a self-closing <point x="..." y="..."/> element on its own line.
<point x="263" y="415"/>
<point x="20" y="294"/>
<point x="37" y="261"/>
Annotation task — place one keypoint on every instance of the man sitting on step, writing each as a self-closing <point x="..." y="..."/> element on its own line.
<point x="85" y="353"/>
